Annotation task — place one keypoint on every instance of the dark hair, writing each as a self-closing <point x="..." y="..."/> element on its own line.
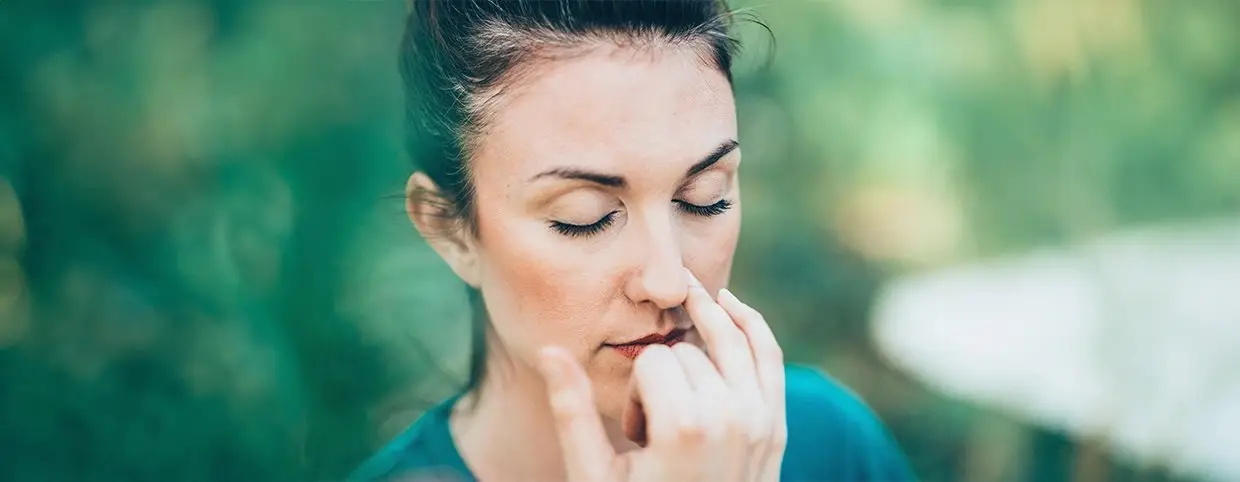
<point x="458" y="56"/>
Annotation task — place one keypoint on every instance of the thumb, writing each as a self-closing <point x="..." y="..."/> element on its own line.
<point x="588" y="456"/>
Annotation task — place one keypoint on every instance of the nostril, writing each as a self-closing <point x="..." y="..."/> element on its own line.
<point x="679" y="317"/>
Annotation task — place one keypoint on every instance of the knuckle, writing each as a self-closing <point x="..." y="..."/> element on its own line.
<point x="691" y="433"/>
<point x="736" y="422"/>
<point x="752" y="439"/>
<point x="751" y="422"/>
<point x="779" y="439"/>
<point x="759" y="430"/>
<point x="759" y="418"/>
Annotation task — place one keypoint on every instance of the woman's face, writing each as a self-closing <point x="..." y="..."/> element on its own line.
<point x="601" y="179"/>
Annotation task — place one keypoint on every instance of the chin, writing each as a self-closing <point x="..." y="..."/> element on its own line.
<point x="611" y="398"/>
<point x="612" y="377"/>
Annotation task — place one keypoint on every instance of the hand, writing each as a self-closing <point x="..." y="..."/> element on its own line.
<point x="716" y="418"/>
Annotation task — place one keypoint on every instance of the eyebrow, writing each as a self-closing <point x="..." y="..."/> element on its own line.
<point x="611" y="180"/>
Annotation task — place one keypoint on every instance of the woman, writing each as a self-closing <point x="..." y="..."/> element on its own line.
<point x="578" y="169"/>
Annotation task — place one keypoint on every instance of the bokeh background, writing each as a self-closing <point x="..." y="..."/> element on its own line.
<point x="206" y="272"/>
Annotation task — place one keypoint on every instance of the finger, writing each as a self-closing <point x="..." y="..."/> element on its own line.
<point x="769" y="362"/>
<point x="724" y="340"/>
<point x="662" y="389"/>
<point x="767" y="354"/>
<point x="745" y="417"/>
<point x="588" y="456"/>
<point x="713" y="405"/>
<point x="703" y="376"/>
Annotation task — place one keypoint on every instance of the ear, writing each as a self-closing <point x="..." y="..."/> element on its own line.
<point x="433" y="216"/>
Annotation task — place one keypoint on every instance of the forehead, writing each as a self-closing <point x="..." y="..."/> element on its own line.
<point x="617" y="110"/>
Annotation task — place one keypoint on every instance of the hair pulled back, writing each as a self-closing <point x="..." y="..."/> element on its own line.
<point x="458" y="57"/>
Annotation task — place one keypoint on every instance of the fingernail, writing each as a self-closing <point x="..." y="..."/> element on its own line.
<point x="724" y="294"/>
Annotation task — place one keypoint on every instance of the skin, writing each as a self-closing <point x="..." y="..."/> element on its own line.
<point x="663" y="124"/>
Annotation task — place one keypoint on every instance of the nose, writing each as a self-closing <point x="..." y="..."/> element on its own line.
<point x="658" y="277"/>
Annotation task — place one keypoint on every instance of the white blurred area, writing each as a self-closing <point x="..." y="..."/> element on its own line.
<point x="1133" y="339"/>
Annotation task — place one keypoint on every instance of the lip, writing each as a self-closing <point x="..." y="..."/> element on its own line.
<point x="632" y="349"/>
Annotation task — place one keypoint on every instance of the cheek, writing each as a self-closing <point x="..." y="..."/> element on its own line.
<point x="708" y="253"/>
<point x="534" y="294"/>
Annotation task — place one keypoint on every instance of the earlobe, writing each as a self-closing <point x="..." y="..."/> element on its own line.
<point x="436" y="219"/>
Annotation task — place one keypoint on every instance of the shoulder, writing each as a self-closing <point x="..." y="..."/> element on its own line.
<point x="391" y="458"/>
<point x="834" y="435"/>
<point x="423" y="452"/>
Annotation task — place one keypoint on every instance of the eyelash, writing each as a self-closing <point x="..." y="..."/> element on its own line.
<point x="706" y="211"/>
<point x="586" y="230"/>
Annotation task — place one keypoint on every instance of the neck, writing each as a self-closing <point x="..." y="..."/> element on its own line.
<point x="504" y="428"/>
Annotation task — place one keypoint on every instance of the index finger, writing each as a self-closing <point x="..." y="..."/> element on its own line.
<point x="767" y="354"/>
<point x="725" y="342"/>
<point x="588" y="456"/>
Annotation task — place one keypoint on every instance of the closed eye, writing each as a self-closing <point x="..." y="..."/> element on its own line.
<point x="587" y="230"/>
<point x="584" y="230"/>
<point x="705" y="211"/>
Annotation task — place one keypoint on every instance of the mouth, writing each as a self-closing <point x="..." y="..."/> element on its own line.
<point x="633" y="349"/>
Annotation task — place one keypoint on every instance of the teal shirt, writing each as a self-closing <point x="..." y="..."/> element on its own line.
<point x="832" y="437"/>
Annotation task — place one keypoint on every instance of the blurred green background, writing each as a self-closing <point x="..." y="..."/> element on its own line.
<point x="206" y="272"/>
